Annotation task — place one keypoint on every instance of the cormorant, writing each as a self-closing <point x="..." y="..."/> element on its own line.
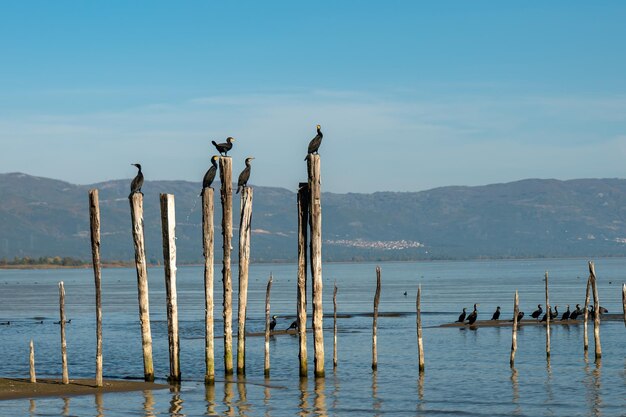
<point x="555" y="314"/>
<point x="223" y="148"/>
<point x="592" y="312"/>
<point x="603" y="310"/>
<point x="471" y="319"/>
<point x="496" y="314"/>
<point x="210" y="174"/>
<point x="566" y="315"/>
<point x="315" y="143"/>
<point x="135" y="185"/>
<point x="405" y="293"/>
<point x="520" y="316"/>
<point x="576" y="313"/>
<point x="244" y="176"/>
<point x="545" y="316"/>
<point x="462" y="316"/>
<point x="537" y="312"/>
<point x="66" y="321"/>
<point x="273" y="323"/>
<point x="8" y="323"/>
<point x="293" y="325"/>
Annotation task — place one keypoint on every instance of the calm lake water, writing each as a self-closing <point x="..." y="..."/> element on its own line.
<point x="467" y="371"/>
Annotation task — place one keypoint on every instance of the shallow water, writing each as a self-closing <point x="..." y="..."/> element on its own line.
<point x="467" y="371"/>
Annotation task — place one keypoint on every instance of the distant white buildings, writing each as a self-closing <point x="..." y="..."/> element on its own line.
<point x="376" y="244"/>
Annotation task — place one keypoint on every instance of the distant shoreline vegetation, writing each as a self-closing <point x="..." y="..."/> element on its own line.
<point x="49" y="262"/>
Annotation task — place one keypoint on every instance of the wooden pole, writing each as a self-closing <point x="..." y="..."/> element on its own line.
<point x="168" y="229"/>
<point x="335" y="326"/>
<point x="586" y="315"/>
<point x="31" y="361"/>
<point x="94" y="220"/>
<point x="244" y="261"/>
<point x="226" y="174"/>
<point x="66" y="378"/>
<point x="267" y="327"/>
<point x="375" y="321"/>
<point x="596" y="308"/>
<point x="315" y="205"/>
<point x="136" y="205"/>
<point x="420" y="342"/>
<point x="514" y="333"/>
<point x="547" y="318"/>
<point x="624" y="301"/>
<point x="208" y="236"/>
<point x="303" y="216"/>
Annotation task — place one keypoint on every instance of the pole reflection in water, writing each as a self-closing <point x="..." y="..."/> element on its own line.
<point x="549" y="392"/>
<point x="176" y="403"/>
<point x="304" y="397"/>
<point x="420" y="393"/>
<point x="242" y="404"/>
<point x="515" y="387"/>
<point x="267" y="396"/>
<point x="32" y="408"/>
<point x="99" y="398"/>
<point x="148" y="403"/>
<point x="209" y="397"/>
<point x="592" y="381"/>
<point x="336" y="390"/>
<point x="66" y="407"/>
<point x="376" y="403"/>
<point x="319" y="403"/>
<point x="228" y="396"/>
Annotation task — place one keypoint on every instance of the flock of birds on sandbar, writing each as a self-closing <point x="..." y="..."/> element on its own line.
<point x="223" y="148"/>
<point x="537" y="314"/>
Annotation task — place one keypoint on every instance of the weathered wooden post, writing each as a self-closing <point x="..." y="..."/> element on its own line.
<point x="624" y="301"/>
<point x="315" y="206"/>
<point x="547" y="318"/>
<point x="31" y="361"/>
<point x="586" y="315"/>
<point x="597" y="311"/>
<point x="375" y="321"/>
<point x="335" y="326"/>
<point x="418" y="319"/>
<point x="514" y="332"/>
<point x="208" y="236"/>
<point x="303" y="217"/>
<point x="267" y="327"/>
<point x="226" y="175"/>
<point x="244" y="261"/>
<point x="66" y="378"/>
<point x="168" y="229"/>
<point x="94" y="221"/>
<point x="136" y="206"/>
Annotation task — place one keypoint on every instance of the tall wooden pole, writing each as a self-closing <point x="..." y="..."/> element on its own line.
<point x="597" y="311"/>
<point x="136" y="206"/>
<point x="226" y="174"/>
<point x="375" y="321"/>
<point x="335" y="326"/>
<point x="94" y="221"/>
<point x="244" y="261"/>
<point x="267" y="327"/>
<point x="624" y="301"/>
<point x="168" y="228"/>
<point x="547" y="318"/>
<point x="66" y="378"/>
<point x="31" y="362"/>
<point x="420" y="342"/>
<point x="208" y="236"/>
<point x="514" y="332"/>
<point x="586" y="315"/>
<point x="303" y="217"/>
<point x="314" y="173"/>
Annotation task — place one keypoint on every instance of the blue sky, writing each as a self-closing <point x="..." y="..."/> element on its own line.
<point x="410" y="95"/>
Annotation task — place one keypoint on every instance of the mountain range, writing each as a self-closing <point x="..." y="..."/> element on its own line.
<point x="527" y="218"/>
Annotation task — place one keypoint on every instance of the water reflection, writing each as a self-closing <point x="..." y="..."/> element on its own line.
<point x="592" y="381"/>
<point x="376" y="402"/>
<point x="304" y="397"/>
<point x="209" y="397"/>
<point x="99" y="398"/>
<point x="515" y="387"/>
<point x="176" y="403"/>
<point x="420" y="393"/>
<point x="66" y="407"/>
<point x="32" y="408"/>
<point x="228" y="396"/>
<point x="148" y="403"/>
<point x="267" y="396"/>
<point x="548" y="385"/>
<point x="319" y="403"/>
<point x="242" y="404"/>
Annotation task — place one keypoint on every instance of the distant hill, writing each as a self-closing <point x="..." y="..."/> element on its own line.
<point x="528" y="218"/>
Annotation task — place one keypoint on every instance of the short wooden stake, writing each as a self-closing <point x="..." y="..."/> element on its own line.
<point x="548" y="308"/>
<point x="226" y="174"/>
<point x="586" y="316"/>
<point x="597" y="311"/>
<point x="315" y="205"/>
<point x="244" y="261"/>
<point x="136" y="206"/>
<point x="335" y="326"/>
<point x="94" y="220"/>
<point x="418" y="319"/>
<point x="375" y="321"/>
<point x="168" y="229"/>
<point x="514" y="332"/>
<point x="31" y="361"/>
<point x="303" y="217"/>
<point x="624" y="301"/>
<point x="66" y="378"/>
<point x="208" y="236"/>
<point x="267" y="327"/>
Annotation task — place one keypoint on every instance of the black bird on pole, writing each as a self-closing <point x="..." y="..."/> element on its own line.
<point x="537" y="312"/>
<point x="315" y="143"/>
<point x="135" y="185"/>
<point x="210" y="174"/>
<point x="223" y="148"/>
<point x="244" y="176"/>
<point x="496" y="314"/>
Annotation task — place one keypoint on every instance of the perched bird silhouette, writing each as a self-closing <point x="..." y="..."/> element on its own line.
<point x="576" y="312"/>
<point x="537" y="312"/>
<point x="210" y="174"/>
<point x="273" y="323"/>
<point x="520" y="315"/>
<point x="566" y="315"/>
<point x="244" y="176"/>
<point x="462" y="316"/>
<point x="471" y="319"/>
<point x="293" y="325"/>
<point x="496" y="314"/>
<point x="137" y="182"/>
<point x="224" y="147"/>
<point x="315" y="143"/>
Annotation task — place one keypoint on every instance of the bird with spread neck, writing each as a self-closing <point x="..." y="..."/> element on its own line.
<point x="315" y="143"/>
<point x="244" y="176"/>
<point x="207" y="181"/>
<point x="224" y="147"/>
<point x="496" y="314"/>
<point x="462" y="316"/>
<point x="137" y="183"/>
<point x="471" y="319"/>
